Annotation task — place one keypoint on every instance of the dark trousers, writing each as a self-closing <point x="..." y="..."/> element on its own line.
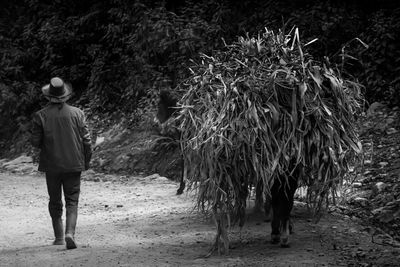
<point x="70" y="183"/>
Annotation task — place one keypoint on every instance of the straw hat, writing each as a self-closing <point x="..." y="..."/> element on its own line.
<point x="57" y="91"/>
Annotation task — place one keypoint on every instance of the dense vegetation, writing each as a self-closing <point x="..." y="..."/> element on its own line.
<point x="118" y="54"/>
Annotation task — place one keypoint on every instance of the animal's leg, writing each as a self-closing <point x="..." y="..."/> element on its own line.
<point x="181" y="188"/>
<point x="275" y="222"/>
<point x="268" y="208"/>
<point x="286" y="204"/>
<point x="293" y="185"/>
<point x="285" y="222"/>
<point x="242" y="204"/>
<point x="222" y="238"/>
<point x="183" y="177"/>
<point x="259" y="197"/>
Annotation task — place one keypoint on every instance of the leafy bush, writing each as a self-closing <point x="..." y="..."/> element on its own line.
<point x="382" y="60"/>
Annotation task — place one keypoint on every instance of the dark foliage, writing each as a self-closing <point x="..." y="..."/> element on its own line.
<point x="118" y="54"/>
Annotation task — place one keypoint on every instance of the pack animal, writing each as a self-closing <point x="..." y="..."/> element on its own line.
<point x="278" y="205"/>
<point x="165" y="110"/>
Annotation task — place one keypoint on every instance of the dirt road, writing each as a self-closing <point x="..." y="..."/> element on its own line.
<point x="139" y="221"/>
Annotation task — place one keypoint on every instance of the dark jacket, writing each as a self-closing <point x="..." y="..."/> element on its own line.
<point x="62" y="134"/>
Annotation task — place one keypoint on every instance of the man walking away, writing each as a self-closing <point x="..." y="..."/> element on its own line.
<point x="61" y="133"/>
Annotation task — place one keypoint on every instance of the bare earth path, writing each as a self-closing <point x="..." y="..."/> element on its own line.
<point x="139" y="221"/>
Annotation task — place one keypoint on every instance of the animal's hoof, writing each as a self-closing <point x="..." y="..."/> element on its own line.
<point x="275" y="239"/>
<point x="181" y="188"/>
<point x="285" y="243"/>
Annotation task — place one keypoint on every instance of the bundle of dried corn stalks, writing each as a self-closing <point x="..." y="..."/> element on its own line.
<point x="258" y="109"/>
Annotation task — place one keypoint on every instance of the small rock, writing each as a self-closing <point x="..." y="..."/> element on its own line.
<point x="89" y="172"/>
<point x="374" y="107"/>
<point x="383" y="214"/>
<point x="19" y="160"/>
<point x="378" y="187"/>
<point x="23" y="167"/>
<point x="361" y="254"/>
<point x="391" y="131"/>
<point x="353" y="230"/>
<point x="99" y="140"/>
<point x="383" y="163"/>
<point x="396" y="215"/>
<point x="152" y="177"/>
<point x="101" y="162"/>
<point x="367" y="162"/>
<point x="386" y="217"/>
<point x="390" y="120"/>
<point x="360" y="201"/>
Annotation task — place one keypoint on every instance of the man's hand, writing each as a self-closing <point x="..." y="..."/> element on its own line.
<point x="88" y="155"/>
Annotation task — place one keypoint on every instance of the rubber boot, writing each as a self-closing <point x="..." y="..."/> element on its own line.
<point x="72" y="215"/>
<point x="58" y="231"/>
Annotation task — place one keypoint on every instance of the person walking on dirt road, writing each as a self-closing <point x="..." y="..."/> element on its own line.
<point x="61" y="133"/>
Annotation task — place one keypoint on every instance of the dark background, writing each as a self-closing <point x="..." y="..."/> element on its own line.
<point x="118" y="54"/>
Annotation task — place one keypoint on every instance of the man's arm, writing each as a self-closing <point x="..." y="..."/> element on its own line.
<point x="87" y="143"/>
<point x="36" y="131"/>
